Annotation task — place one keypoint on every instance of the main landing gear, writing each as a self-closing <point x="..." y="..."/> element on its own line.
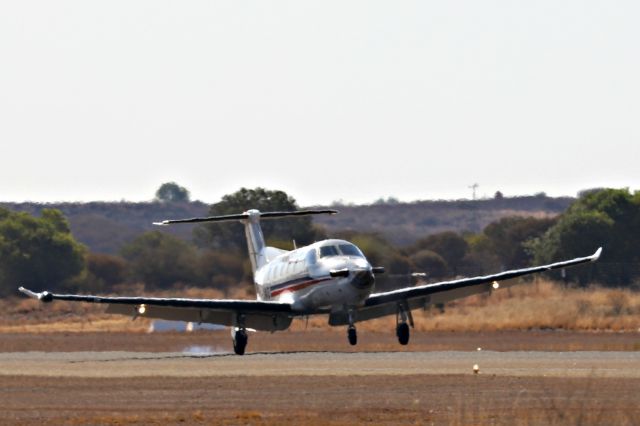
<point x="402" y="327"/>
<point x="402" y="331"/>
<point x="240" y="339"/>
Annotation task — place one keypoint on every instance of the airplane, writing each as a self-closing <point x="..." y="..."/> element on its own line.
<point x="330" y="277"/>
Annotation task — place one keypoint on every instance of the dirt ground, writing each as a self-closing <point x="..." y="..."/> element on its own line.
<point x="319" y="400"/>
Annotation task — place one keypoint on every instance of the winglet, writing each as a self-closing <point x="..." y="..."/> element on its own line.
<point x="596" y="255"/>
<point x="45" y="296"/>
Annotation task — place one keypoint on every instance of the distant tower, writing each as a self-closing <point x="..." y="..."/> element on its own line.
<point x="474" y="187"/>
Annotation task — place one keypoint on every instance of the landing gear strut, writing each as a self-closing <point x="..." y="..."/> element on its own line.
<point x="402" y="328"/>
<point x="239" y="340"/>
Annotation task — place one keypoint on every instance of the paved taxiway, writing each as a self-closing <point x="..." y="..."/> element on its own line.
<point x="144" y="364"/>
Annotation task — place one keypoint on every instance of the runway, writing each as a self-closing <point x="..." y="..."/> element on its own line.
<point x="198" y="386"/>
<point x="198" y="362"/>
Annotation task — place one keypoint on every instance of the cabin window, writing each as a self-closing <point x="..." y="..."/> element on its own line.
<point x="350" y="250"/>
<point x="326" y="251"/>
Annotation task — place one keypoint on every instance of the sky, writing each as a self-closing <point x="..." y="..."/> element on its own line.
<point x="326" y="100"/>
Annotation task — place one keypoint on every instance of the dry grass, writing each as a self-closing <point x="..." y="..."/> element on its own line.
<point x="537" y="305"/>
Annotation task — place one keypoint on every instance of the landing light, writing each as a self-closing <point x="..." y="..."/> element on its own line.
<point x="142" y="309"/>
<point x="495" y="285"/>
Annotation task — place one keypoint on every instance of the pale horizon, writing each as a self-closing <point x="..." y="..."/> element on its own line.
<point x="325" y="100"/>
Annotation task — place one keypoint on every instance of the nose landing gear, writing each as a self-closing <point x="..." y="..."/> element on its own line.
<point x="352" y="335"/>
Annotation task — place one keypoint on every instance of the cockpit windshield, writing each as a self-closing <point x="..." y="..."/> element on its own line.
<point x="342" y="249"/>
<point x="350" y="250"/>
<point x="326" y="251"/>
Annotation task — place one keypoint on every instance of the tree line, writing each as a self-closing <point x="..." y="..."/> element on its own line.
<point x="40" y="252"/>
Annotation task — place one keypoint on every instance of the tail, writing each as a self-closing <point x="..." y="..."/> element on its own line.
<point x="253" y="231"/>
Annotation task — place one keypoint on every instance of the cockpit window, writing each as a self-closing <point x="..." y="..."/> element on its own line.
<point x="328" y="251"/>
<point x="350" y="250"/>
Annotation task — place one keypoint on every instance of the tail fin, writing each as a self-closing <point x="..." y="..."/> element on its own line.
<point x="253" y="231"/>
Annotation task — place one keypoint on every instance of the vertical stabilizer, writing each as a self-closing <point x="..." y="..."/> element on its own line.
<point x="255" y="239"/>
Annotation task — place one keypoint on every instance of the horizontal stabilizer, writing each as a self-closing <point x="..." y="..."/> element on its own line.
<point x="246" y="215"/>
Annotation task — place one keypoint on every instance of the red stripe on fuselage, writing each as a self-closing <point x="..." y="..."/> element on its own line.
<point x="297" y="287"/>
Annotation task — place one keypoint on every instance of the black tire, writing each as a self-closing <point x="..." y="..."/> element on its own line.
<point x="402" y="331"/>
<point x="352" y="335"/>
<point x="240" y="342"/>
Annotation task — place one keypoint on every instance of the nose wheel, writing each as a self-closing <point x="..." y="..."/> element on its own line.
<point x="240" y="339"/>
<point x="352" y="335"/>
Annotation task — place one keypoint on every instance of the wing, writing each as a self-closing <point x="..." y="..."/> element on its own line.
<point x="259" y="315"/>
<point x="389" y="303"/>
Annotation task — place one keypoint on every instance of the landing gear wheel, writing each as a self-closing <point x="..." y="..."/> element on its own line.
<point x="352" y="335"/>
<point x="240" y="341"/>
<point x="402" y="331"/>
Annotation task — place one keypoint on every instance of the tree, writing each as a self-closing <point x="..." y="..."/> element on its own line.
<point x="450" y="245"/>
<point x="160" y="260"/>
<point x="171" y="192"/>
<point x="104" y="271"/>
<point x="38" y="252"/>
<point x="231" y="235"/>
<point x="507" y="238"/>
<point x="608" y="218"/>
<point x="221" y="269"/>
<point x="430" y="263"/>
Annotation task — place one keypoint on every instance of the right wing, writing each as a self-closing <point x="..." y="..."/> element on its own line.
<point x="409" y="298"/>
<point x="256" y="314"/>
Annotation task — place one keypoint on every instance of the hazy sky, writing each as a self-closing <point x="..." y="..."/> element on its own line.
<point x="327" y="100"/>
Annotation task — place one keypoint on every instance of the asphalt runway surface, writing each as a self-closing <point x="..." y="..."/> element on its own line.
<point x="198" y="386"/>
<point x="199" y="362"/>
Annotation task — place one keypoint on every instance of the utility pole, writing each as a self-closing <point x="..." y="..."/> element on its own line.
<point x="474" y="187"/>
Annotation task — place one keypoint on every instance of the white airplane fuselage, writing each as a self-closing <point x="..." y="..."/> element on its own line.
<point x="303" y="277"/>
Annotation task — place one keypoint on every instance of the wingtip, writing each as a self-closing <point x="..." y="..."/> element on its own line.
<point x="163" y="223"/>
<point x="596" y="255"/>
<point x="45" y="296"/>
<point x="28" y="292"/>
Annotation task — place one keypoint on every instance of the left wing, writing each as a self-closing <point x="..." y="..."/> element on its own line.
<point x="256" y="314"/>
<point x="390" y="302"/>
